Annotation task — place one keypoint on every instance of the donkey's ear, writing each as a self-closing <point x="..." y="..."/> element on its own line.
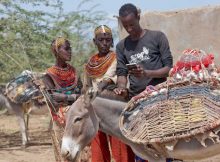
<point x="89" y="96"/>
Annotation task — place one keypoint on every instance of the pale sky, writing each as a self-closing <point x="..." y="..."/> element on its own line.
<point x="111" y="7"/>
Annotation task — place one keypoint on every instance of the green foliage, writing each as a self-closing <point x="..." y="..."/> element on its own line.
<point x="26" y="35"/>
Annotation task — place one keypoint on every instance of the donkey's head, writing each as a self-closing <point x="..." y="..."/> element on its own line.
<point x="81" y="127"/>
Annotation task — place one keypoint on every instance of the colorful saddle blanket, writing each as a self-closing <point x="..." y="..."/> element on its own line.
<point x="22" y="89"/>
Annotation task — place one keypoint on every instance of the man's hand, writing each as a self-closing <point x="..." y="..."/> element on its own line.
<point x="121" y="85"/>
<point x="120" y="91"/>
<point x="137" y="72"/>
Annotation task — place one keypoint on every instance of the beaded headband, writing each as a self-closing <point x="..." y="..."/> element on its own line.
<point x="59" y="42"/>
<point x="103" y="29"/>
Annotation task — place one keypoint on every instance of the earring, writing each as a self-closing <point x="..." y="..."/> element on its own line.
<point x="112" y="45"/>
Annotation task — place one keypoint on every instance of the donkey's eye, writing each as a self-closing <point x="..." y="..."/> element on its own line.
<point x="77" y="119"/>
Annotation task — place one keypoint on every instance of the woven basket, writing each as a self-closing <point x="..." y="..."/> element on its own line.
<point x="185" y="110"/>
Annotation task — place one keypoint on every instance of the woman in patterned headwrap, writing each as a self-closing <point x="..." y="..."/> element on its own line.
<point x="100" y="74"/>
<point x="100" y="69"/>
<point x="63" y="88"/>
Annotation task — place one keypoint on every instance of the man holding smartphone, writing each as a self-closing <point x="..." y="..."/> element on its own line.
<point x="144" y="55"/>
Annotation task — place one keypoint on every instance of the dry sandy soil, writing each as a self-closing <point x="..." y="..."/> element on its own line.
<point x="40" y="148"/>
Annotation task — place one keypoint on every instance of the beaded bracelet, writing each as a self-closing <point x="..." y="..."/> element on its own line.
<point x="108" y="80"/>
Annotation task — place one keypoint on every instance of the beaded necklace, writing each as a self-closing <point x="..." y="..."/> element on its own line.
<point x="66" y="78"/>
<point x="97" y="66"/>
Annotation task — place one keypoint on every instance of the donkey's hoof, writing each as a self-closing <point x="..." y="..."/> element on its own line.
<point x="24" y="145"/>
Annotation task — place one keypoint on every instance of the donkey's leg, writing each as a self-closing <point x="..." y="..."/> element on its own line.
<point x="27" y="120"/>
<point x="20" y="115"/>
<point x="27" y="124"/>
<point x="4" y="103"/>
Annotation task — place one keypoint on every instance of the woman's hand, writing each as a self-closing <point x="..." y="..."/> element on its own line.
<point x="39" y="83"/>
<point x="102" y="85"/>
<point x="59" y="97"/>
<point x="74" y="96"/>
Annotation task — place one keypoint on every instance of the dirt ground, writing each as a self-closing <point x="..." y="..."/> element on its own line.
<point x="40" y="148"/>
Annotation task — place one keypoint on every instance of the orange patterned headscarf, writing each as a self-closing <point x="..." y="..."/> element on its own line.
<point x="97" y="66"/>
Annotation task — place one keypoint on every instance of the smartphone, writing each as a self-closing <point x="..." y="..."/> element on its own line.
<point x="131" y="66"/>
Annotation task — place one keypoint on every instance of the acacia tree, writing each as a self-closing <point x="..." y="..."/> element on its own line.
<point x="26" y="32"/>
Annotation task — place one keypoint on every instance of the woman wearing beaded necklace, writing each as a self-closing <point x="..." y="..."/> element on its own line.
<point x="63" y="87"/>
<point x="101" y="67"/>
<point x="100" y="73"/>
